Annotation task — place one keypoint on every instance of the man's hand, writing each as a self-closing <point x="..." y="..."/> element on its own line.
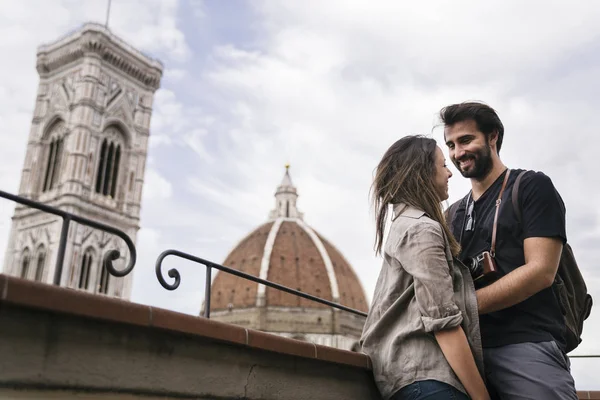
<point x="542" y="256"/>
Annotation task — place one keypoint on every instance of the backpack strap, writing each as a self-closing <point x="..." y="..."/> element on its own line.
<point x="498" y="202"/>
<point x="515" y="196"/>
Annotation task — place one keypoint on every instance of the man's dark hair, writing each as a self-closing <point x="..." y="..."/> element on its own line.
<point x="485" y="117"/>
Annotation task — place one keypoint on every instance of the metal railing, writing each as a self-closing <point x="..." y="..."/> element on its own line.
<point x="173" y="273"/>
<point x="67" y="217"/>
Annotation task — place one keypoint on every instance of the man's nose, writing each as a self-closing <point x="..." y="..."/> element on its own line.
<point x="459" y="152"/>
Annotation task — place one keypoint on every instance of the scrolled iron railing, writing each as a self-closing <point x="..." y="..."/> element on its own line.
<point x="67" y="217"/>
<point x="173" y="273"/>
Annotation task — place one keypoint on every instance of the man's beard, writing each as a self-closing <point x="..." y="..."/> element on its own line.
<point x="482" y="163"/>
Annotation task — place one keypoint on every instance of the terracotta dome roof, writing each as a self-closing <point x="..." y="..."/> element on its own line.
<point x="287" y="251"/>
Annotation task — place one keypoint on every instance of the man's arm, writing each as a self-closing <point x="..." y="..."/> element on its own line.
<point x="542" y="256"/>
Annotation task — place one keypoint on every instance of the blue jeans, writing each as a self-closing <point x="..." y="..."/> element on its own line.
<point x="429" y="390"/>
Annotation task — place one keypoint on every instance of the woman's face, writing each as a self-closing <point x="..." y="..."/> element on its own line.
<point x="442" y="175"/>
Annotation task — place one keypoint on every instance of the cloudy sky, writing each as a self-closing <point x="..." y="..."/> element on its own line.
<point x="326" y="86"/>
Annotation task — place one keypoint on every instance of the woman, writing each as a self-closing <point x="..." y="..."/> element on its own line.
<point x="422" y="331"/>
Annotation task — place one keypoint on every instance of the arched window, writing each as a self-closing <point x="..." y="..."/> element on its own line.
<point x="84" y="271"/>
<point x="25" y="259"/>
<point x="53" y="164"/>
<point x="108" y="171"/>
<point x="104" y="278"/>
<point x="41" y="260"/>
<point x="108" y="164"/>
<point x="54" y="151"/>
<point x="101" y="167"/>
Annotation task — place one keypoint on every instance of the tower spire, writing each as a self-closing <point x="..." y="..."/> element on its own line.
<point x="107" y="14"/>
<point x="285" y="198"/>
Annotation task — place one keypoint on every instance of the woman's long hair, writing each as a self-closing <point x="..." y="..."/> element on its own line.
<point x="406" y="175"/>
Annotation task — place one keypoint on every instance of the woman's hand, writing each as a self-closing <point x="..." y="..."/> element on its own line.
<point x="455" y="347"/>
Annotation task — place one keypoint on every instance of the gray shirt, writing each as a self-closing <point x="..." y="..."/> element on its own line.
<point x="421" y="289"/>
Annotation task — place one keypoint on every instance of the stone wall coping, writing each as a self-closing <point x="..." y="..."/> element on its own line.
<point x="588" y="394"/>
<point x="30" y="294"/>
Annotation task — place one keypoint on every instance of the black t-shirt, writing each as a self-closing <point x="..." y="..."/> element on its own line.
<point x="539" y="317"/>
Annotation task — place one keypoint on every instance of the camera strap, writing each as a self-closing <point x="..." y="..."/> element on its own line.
<point x="498" y="202"/>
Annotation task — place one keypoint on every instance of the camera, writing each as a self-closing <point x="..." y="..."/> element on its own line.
<point x="483" y="269"/>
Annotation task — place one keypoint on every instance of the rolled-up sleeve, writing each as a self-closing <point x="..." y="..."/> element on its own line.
<point x="421" y="253"/>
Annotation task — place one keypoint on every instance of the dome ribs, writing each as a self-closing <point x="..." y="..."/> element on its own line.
<point x="351" y="291"/>
<point x="231" y="290"/>
<point x="296" y="263"/>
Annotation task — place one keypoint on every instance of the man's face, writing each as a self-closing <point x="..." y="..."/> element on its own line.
<point x="469" y="149"/>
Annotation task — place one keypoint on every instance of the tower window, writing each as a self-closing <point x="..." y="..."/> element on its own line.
<point x="25" y="264"/>
<point x="41" y="260"/>
<point x="53" y="164"/>
<point x="104" y="278"/>
<point x="108" y="168"/>
<point x="84" y="271"/>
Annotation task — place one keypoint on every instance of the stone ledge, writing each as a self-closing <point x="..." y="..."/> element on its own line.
<point x="36" y="295"/>
<point x="60" y="303"/>
<point x="587" y="394"/>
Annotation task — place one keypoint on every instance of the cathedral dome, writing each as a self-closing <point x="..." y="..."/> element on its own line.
<point x="287" y="251"/>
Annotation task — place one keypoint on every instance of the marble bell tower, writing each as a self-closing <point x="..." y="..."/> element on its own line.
<point x="86" y="154"/>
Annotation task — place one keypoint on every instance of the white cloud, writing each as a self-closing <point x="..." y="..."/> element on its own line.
<point x="147" y="289"/>
<point x="155" y="28"/>
<point x="198" y="8"/>
<point x="155" y="186"/>
<point x="174" y="74"/>
<point x="159" y="140"/>
<point x="194" y="140"/>
<point x="169" y="112"/>
<point x="328" y="86"/>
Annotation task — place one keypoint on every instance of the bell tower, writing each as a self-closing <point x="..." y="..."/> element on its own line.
<point x="86" y="154"/>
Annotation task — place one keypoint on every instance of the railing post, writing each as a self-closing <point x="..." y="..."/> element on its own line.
<point x="62" y="246"/>
<point x="207" y="292"/>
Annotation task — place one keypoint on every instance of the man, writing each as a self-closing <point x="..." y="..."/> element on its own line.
<point x="522" y="326"/>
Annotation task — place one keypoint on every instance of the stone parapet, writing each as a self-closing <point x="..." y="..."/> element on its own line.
<point x="56" y="340"/>
<point x="59" y="343"/>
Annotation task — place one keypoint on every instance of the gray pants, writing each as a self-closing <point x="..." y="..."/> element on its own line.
<point x="529" y="371"/>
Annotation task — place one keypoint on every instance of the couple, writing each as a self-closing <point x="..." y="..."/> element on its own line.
<point x="429" y="333"/>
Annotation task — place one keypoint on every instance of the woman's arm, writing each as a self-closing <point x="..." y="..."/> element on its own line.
<point x="455" y="347"/>
<point x="422" y="254"/>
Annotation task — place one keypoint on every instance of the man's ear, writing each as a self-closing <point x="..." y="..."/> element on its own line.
<point x="445" y="136"/>
<point x="494" y="138"/>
